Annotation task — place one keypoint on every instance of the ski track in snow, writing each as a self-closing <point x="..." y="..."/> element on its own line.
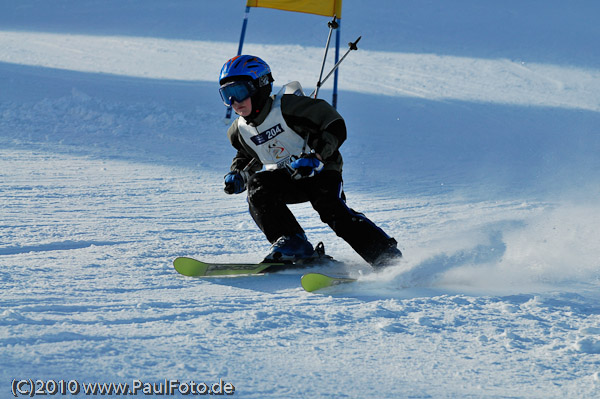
<point x="92" y="293"/>
<point x="111" y="166"/>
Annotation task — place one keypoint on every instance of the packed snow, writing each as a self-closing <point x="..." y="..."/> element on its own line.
<point x="474" y="134"/>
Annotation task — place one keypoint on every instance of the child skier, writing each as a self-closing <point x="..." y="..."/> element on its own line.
<point x="288" y="152"/>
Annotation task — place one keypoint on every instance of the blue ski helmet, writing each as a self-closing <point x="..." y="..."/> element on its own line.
<point x="246" y="67"/>
<point x="246" y="76"/>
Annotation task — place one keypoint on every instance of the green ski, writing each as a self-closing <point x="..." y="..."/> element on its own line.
<point x="316" y="281"/>
<point x="195" y="268"/>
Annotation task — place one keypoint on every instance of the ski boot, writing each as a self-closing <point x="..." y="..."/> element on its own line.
<point x="389" y="256"/>
<point x="291" y="249"/>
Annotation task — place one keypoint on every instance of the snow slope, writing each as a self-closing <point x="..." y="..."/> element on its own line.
<point x="473" y="139"/>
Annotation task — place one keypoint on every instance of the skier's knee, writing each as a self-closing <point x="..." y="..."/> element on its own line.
<point x="335" y="218"/>
<point x="257" y="191"/>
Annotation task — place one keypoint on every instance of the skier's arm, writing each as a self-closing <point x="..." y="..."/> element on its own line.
<point x="330" y="139"/>
<point x="324" y="126"/>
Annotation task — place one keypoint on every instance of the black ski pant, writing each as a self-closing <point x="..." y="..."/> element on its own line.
<point x="269" y="193"/>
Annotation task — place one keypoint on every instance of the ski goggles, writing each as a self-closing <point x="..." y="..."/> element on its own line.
<point x="236" y="91"/>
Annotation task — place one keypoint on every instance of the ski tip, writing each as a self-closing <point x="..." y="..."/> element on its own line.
<point x="315" y="281"/>
<point x="190" y="267"/>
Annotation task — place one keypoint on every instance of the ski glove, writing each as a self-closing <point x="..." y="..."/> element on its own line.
<point x="234" y="183"/>
<point x="306" y="166"/>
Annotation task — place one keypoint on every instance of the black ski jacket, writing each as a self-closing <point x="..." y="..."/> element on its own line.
<point x="324" y="126"/>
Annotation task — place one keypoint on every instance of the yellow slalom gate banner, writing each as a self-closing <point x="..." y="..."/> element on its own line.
<point x="320" y="7"/>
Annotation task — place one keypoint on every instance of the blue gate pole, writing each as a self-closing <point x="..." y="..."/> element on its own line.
<point x="337" y="56"/>
<point x="243" y="35"/>
<point x="239" y="52"/>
